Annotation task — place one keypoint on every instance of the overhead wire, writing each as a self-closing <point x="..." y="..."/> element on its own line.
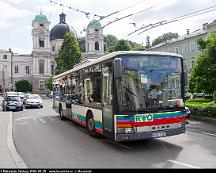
<point x="132" y="14"/>
<point x="185" y="16"/>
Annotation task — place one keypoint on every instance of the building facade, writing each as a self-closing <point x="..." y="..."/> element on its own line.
<point x="38" y="66"/>
<point x="186" y="45"/>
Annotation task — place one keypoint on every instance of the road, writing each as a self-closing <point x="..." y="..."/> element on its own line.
<point x="44" y="141"/>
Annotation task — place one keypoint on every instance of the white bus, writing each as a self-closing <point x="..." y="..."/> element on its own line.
<point x="124" y="96"/>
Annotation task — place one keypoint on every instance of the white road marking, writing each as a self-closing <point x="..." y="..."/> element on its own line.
<point x="183" y="164"/>
<point x="205" y="133"/>
<point x="42" y="120"/>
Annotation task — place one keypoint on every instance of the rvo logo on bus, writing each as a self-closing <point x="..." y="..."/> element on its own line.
<point x="144" y="118"/>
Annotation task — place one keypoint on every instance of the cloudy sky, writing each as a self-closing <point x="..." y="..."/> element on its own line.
<point x="17" y="15"/>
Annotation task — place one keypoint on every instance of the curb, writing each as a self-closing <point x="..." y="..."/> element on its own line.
<point x="11" y="147"/>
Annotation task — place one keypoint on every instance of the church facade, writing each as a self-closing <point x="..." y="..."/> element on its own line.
<point x="38" y="66"/>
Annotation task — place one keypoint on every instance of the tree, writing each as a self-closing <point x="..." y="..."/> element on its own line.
<point x="49" y="83"/>
<point x="81" y="42"/>
<point x="203" y="78"/>
<point x="23" y="86"/>
<point x="109" y="43"/>
<point x="123" y="45"/>
<point x="68" y="55"/>
<point x="165" y="37"/>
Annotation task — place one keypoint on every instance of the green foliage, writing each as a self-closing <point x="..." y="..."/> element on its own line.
<point x="135" y="46"/>
<point x="165" y="37"/>
<point x="23" y="86"/>
<point x="203" y="78"/>
<point x="214" y="97"/>
<point x="68" y="55"/>
<point x="109" y="43"/>
<point x="202" y="111"/>
<point x="123" y="45"/>
<point x="49" y="83"/>
<point x="81" y="42"/>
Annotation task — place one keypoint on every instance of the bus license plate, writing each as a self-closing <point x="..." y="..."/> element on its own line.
<point x="158" y="134"/>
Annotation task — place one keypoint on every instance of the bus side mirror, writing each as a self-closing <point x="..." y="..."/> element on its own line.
<point x="117" y="66"/>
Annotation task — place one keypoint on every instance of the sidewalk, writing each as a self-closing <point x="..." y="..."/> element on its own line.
<point x="9" y="158"/>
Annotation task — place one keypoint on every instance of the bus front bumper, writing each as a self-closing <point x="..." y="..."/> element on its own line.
<point x="148" y="135"/>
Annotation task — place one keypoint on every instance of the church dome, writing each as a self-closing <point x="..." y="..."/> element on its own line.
<point x="40" y="17"/>
<point x="94" y="24"/>
<point x="59" y="30"/>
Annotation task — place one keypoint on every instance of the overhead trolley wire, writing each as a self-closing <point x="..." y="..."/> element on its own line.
<point x="186" y="16"/>
<point x="132" y="14"/>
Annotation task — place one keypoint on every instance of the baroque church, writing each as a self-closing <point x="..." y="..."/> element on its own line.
<point x="38" y="66"/>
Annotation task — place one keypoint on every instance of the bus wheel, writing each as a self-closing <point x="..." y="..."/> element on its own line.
<point x="61" y="113"/>
<point x="91" y="126"/>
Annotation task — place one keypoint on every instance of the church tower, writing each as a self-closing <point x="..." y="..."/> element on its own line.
<point x="42" y="62"/>
<point x="94" y="39"/>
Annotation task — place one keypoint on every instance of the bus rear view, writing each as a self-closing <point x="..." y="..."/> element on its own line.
<point x="148" y="94"/>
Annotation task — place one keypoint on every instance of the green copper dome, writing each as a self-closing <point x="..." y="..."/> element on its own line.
<point x="40" y="17"/>
<point x="94" y="24"/>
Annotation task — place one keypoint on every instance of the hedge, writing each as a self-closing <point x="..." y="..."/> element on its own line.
<point x="203" y="111"/>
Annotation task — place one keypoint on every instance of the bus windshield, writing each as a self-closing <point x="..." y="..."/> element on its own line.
<point x="150" y="83"/>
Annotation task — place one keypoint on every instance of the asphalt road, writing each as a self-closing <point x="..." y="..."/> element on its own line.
<point x="44" y="141"/>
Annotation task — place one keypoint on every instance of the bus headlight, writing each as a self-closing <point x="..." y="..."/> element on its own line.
<point x="125" y="130"/>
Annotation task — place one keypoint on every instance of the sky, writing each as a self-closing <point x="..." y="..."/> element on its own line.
<point x="17" y="15"/>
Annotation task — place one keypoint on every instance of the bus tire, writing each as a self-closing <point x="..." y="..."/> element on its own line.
<point x="90" y="125"/>
<point x="61" y="113"/>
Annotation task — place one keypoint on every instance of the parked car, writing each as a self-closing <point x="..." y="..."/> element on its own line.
<point x="21" y="94"/>
<point x="12" y="102"/>
<point x="33" y="100"/>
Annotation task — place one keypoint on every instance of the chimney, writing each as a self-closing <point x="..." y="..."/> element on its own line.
<point x="188" y="31"/>
<point x="205" y="26"/>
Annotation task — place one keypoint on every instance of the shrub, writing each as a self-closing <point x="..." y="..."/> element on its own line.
<point x="202" y="111"/>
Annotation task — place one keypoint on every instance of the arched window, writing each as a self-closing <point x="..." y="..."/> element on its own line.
<point x="41" y="42"/>
<point x="96" y="45"/>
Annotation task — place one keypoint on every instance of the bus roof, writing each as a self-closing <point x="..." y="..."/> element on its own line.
<point x="112" y="55"/>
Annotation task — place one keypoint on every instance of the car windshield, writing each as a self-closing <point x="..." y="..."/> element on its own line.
<point x="149" y="84"/>
<point x="13" y="98"/>
<point x="33" y="97"/>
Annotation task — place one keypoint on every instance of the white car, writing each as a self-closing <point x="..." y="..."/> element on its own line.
<point x="33" y="100"/>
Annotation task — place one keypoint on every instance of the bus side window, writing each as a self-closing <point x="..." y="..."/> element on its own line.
<point x="92" y="80"/>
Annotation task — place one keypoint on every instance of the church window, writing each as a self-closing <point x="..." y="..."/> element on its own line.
<point x="4" y="56"/>
<point x="16" y="69"/>
<point x="52" y="68"/>
<point x="41" y="24"/>
<point x="96" y="45"/>
<point x="27" y="70"/>
<point x="41" y="42"/>
<point x="53" y="48"/>
<point x="41" y="67"/>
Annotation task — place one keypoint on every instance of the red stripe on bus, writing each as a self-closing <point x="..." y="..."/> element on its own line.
<point x="99" y="131"/>
<point x="157" y="122"/>
<point x="79" y="122"/>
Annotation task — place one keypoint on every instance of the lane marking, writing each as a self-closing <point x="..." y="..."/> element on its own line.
<point x="183" y="164"/>
<point x="42" y="120"/>
<point x="11" y="146"/>
<point x="205" y="133"/>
